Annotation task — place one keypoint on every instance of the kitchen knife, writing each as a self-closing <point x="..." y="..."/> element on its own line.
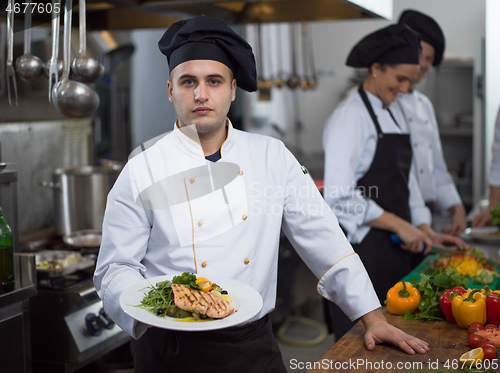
<point x="435" y="249"/>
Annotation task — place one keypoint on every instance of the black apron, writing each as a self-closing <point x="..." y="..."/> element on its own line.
<point x="386" y="183"/>
<point x="249" y="348"/>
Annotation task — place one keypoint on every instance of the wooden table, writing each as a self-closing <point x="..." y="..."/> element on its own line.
<point x="447" y="342"/>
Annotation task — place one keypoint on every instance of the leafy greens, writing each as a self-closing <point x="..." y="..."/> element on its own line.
<point x="431" y="287"/>
<point x="495" y="215"/>
<point x="160" y="297"/>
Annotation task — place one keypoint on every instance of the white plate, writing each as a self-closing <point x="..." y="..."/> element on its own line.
<point x="246" y="301"/>
<point x="482" y="234"/>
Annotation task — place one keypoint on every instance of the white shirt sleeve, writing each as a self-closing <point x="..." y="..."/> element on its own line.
<point x="494" y="178"/>
<point x="347" y="141"/>
<point x="126" y="231"/>
<point x="314" y="232"/>
<point x="420" y="213"/>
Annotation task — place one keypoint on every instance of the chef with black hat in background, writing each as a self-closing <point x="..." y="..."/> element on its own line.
<point x="369" y="181"/>
<point x="434" y="180"/>
<point x="209" y="199"/>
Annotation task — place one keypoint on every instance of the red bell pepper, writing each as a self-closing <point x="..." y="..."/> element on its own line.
<point x="445" y="301"/>
<point x="493" y="307"/>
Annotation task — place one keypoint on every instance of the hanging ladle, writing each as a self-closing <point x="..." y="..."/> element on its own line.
<point x="293" y="81"/>
<point x="312" y="79"/>
<point x="73" y="99"/>
<point x="280" y="80"/>
<point x="304" y="83"/>
<point x="28" y="67"/>
<point x="86" y="69"/>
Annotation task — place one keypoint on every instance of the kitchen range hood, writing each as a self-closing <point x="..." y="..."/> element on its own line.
<point x="130" y="14"/>
<point x="137" y="14"/>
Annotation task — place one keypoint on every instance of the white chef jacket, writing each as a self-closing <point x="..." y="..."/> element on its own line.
<point x="229" y="225"/>
<point x="434" y="180"/>
<point x="494" y="177"/>
<point x="349" y="142"/>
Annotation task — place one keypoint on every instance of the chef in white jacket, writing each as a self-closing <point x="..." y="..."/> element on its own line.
<point x="209" y="199"/>
<point x="484" y="217"/>
<point x="434" y="180"/>
<point x="369" y="179"/>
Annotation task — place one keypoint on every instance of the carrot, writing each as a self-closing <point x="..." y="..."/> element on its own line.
<point x="491" y="334"/>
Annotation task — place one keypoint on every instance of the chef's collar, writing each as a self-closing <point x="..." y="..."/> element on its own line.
<point x="194" y="148"/>
<point x="374" y="100"/>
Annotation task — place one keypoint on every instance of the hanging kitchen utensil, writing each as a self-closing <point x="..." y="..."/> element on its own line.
<point x="10" y="73"/>
<point x="29" y="67"/>
<point x="73" y="99"/>
<point x="86" y="69"/>
<point x="304" y="83"/>
<point x="52" y="64"/>
<point x="3" y="43"/>
<point x="312" y="78"/>
<point x="294" y="80"/>
<point x="262" y="85"/>
<point x="280" y="80"/>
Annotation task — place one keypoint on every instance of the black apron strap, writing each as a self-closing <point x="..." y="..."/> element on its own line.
<point x="392" y="116"/>
<point x="362" y="93"/>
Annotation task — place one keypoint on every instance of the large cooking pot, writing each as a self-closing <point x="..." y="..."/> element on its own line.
<point x="80" y="196"/>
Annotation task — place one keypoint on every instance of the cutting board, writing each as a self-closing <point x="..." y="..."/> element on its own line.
<point x="447" y="342"/>
<point x="425" y="265"/>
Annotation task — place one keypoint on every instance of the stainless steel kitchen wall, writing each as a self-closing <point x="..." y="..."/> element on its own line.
<point x="37" y="149"/>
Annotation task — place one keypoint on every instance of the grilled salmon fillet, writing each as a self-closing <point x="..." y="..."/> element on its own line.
<point x="193" y="300"/>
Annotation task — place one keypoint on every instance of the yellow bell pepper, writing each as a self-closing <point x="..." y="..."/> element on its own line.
<point x="402" y="297"/>
<point x="468" y="308"/>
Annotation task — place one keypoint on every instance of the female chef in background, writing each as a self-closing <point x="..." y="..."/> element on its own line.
<point x="369" y="182"/>
<point x="434" y="180"/>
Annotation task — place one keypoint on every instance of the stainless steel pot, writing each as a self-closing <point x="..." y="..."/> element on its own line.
<point x="80" y="195"/>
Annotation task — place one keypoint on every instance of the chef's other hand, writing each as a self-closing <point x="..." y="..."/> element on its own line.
<point x="378" y="331"/>
<point x="448" y="240"/>
<point x="413" y="238"/>
<point x="458" y="222"/>
<point x="482" y="219"/>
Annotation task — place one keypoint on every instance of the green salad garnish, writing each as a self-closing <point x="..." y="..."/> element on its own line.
<point x="160" y="301"/>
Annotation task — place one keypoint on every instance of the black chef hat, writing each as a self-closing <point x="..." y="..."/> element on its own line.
<point x="206" y="38"/>
<point x="428" y="29"/>
<point x="393" y="44"/>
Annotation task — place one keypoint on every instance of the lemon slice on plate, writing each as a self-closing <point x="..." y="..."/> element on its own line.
<point x="204" y="284"/>
<point x="473" y="357"/>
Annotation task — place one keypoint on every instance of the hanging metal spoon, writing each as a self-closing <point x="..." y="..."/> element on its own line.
<point x="74" y="99"/>
<point x="86" y="69"/>
<point x="28" y="67"/>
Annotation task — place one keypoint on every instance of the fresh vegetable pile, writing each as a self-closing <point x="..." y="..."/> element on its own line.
<point x="431" y="287"/>
<point x="443" y="294"/>
<point x="471" y="262"/>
